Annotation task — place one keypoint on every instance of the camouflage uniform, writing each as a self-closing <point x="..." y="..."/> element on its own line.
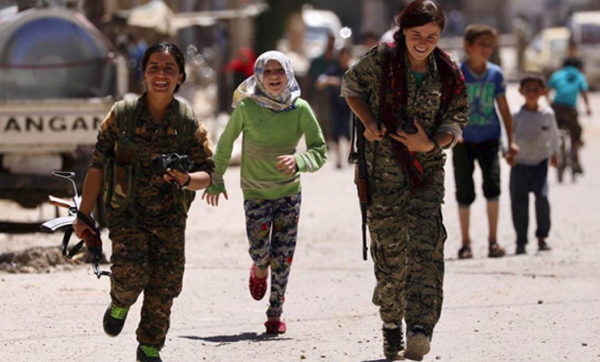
<point x="405" y="223"/>
<point x="148" y="240"/>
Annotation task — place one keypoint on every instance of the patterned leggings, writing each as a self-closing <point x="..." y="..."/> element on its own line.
<point x="272" y="228"/>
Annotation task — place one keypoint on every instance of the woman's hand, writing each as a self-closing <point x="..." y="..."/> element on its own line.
<point x="373" y="133"/>
<point x="175" y="175"/>
<point x="287" y="165"/>
<point x="213" y="199"/>
<point x="417" y="142"/>
<point x="79" y="227"/>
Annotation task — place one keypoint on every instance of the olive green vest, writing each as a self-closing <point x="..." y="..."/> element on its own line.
<point x="122" y="170"/>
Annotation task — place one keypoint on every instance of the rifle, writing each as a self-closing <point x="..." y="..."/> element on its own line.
<point x="362" y="179"/>
<point x="92" y="241"/>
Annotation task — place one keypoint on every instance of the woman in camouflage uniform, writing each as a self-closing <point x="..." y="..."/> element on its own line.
<point x="412" y="100"/>
<point x="147" y="233"/>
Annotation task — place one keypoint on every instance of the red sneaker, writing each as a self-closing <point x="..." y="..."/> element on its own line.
<point x="258" y="286"/>
<point x="275" y="327"/>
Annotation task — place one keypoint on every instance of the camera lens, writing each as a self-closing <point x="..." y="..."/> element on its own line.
<point x="185" y="162"/>
<point x="160" y="164"/>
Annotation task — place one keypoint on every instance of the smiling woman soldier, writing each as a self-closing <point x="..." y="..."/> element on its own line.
<point x="411" y="98"/>
<point x="146" y="210"/>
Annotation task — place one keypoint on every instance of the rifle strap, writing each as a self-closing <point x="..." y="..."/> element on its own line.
<point x="353" y="156"/>
<point x="356" y="125"/>
<point x="126" y="121"/>
<point x="185" y="129"/>
<point x="185" y="134"/>
<point x="373" y="164"/>
<point x="65" y="244"/>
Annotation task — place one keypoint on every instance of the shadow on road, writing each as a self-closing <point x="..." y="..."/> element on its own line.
<point x="533" y="253"/>
<point x="248" y="336"/>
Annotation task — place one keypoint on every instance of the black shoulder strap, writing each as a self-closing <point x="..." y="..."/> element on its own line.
<point x="185" y="127"/>
<point x="125" y="115"/>
<point x="353" y="156"/>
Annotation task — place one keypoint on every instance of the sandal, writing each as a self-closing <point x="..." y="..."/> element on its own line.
<point x="258" y="286"/>
<point x="465" y="252"/>
<point x="275" y="327"/>
<point x="495" y="251"/>
<point x="543" y="246"/>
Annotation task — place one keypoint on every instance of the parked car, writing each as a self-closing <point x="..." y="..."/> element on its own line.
<point x="319" y="25"/>
<point x="547" y="50"/>
<point x="585" y="30"/>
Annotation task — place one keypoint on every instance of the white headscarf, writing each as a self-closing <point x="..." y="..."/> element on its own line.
<point x="254" y="88"/>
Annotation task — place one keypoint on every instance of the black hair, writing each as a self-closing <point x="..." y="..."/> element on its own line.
<point x="474" y="31"/>
<point x="573" y="62"/>
<point x="419" y="13"/>
<point x="171" y="49"/>
<point x="533" y="77"/>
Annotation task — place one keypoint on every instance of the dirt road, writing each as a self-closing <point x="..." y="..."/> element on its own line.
<point x="537" y="307"/>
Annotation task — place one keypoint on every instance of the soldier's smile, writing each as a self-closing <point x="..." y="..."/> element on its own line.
<point x="162" y="73"/>
<point x="420" y="42"/>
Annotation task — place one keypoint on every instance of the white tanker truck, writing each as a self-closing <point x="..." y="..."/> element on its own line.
<point x="59" y="76"/>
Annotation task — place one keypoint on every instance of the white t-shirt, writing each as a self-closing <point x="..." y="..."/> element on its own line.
<point x="536" y="134"/>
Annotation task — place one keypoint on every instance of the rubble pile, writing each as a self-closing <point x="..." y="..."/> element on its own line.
<point x="41" y="260"/>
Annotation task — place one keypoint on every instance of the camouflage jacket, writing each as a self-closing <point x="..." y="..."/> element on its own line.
<point x="363" y="80"/>
<point x="154" y="197"/>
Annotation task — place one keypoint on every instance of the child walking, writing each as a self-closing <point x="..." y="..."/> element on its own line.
<point x="340" y="112"/>
<point x="568" y="82"/>
<point x="272" y="117"/>
<point x="480" y="139"/>
<point x="536" y="134"/>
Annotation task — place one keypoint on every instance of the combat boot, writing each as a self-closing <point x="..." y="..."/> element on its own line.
<point x="417" y="344"/>
<point x="148" y="354"/>
<point x="392" y="340"/>
<point x="114" y="320"/>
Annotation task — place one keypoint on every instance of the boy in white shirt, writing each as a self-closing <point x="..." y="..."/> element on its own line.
<point x="536" y="134"/>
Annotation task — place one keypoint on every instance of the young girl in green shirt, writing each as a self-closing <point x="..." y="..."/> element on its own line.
<point x="273" y="118"/>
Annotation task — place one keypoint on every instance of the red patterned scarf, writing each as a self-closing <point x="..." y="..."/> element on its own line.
<point x="394" y="99"/>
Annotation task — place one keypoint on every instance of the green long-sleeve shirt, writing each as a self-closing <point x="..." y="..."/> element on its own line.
<point x="267" y="135"/>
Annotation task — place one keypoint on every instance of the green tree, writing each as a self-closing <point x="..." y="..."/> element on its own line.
<point x="271" y="24"/>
